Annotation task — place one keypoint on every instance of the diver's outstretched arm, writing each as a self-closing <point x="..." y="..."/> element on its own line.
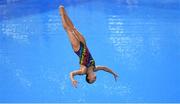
<point x="104" y="68"/>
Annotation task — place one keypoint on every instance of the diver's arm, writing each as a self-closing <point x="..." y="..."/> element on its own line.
<point x="72" y="74"/>
<point x="104" y="68"/>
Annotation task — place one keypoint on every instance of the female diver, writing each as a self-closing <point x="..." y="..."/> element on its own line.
<point x="87" y="63"/>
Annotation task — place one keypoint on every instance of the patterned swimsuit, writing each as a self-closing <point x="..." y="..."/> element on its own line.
<point x="85" y="57"/>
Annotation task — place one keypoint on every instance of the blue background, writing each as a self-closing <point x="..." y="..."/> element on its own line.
<point x="138" y="39"/>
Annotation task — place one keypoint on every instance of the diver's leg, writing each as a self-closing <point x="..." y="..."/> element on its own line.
<point x="74" y="41"/>
<point x="64" y="21"/>
<point x="80" y="36"/>
<point x="68" y="21"/>
<point x="71" y="34"/>
<point x="69" y="24"/>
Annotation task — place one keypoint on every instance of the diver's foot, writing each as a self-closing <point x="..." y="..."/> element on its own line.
<point x="61" y="6"/>
<point x="61" y="9"/>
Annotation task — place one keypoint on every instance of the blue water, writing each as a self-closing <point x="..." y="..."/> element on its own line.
<point x="138" y="39"/>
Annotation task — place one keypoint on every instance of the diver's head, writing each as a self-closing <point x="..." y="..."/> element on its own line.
<point x="90" y="76"/>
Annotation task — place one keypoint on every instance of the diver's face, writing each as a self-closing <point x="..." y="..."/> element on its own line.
<point x="92" y="77"/>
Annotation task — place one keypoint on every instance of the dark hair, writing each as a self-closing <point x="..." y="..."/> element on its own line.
<point x="87" y="80"/>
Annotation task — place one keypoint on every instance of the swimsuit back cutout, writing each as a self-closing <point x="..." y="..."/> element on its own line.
<point x="85" y="57"/>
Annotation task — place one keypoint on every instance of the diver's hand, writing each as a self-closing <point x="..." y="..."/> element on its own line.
<point x="115" y="76"/>
<point x="74" y="83"/>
